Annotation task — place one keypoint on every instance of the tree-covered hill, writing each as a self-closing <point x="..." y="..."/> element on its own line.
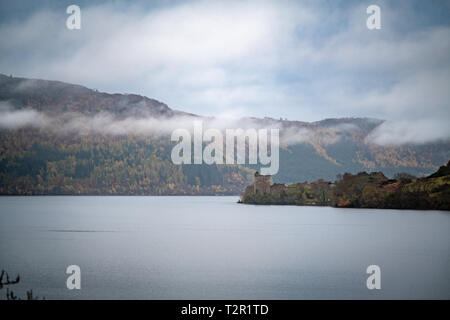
<point x="36" y="163"/>
<point x="60" y="138"/>
<point x="55" y="98"/>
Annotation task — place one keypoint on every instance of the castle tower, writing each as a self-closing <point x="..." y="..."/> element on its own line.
<point x="262" y="184"/>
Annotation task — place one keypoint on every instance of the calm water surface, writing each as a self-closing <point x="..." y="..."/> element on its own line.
<point x="214" y="248"/>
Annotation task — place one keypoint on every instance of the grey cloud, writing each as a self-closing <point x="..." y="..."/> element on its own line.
<point x="12" y="119"/>
<point x="279" y="59"/>
<point x="407" y="132"/>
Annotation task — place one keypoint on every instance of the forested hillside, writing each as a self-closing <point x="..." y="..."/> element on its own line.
<point x="35" y="162"/>
<point x="59" y="138"/>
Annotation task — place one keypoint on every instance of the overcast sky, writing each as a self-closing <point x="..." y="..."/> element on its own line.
<point x="301" y="60"/>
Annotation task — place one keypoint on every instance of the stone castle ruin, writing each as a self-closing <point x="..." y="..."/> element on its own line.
<point x="262" y="185"/>
<point x="314" y="193"/>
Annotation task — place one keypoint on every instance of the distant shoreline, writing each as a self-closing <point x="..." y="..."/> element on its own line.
<point x="363" y="190"/>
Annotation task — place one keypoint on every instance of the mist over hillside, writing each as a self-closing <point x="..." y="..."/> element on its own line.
<point x="60" y="138"/>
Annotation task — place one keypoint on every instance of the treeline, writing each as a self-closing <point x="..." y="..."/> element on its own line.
<point x="405" y="192"/>
<point x="36" y="162"/>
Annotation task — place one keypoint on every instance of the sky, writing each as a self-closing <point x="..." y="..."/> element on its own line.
<point x="300" y="60"/>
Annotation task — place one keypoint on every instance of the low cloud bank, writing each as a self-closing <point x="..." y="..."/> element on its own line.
<point x="410" y="132"/>
<point x="387" y="133"/>
<point x="109" y="124"/>
<point x="12" y="119"/>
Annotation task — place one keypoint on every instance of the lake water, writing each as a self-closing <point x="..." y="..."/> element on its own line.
<point x="214" y="248"/>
